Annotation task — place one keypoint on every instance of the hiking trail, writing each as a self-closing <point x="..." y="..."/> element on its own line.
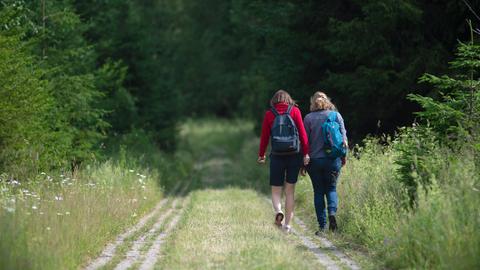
<point x="217" y="224"/>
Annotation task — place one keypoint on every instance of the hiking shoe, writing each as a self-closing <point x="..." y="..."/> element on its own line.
<point x="332" y="223"/>
<point x="279" y="218"/>
<point x="320" y="232"/>
<point x="287" y="228"/>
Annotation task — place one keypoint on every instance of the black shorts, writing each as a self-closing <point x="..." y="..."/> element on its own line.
<point x="285" y="168"/>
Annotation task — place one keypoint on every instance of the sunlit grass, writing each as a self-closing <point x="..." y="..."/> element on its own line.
<point x="232" y="229"/>
<point x="373" y="216"/>
<point x="59" y="221"/>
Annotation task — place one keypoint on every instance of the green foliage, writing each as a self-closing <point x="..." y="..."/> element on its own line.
<point x="118" y="103"/>
<point x="133" y="41"/>
<point x="24" y="108"/>
<point x="229" y="59"/>
<point x="419" y="153"/>
<point x="59" y="221"/>
<point x="371" y="201"/>
<point x="456" y="115"/>
<point x="451" y="121"/>
<point x="441" y="232"/>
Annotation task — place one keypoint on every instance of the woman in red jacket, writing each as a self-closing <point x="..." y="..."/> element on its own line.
<point x="284" y="168"/>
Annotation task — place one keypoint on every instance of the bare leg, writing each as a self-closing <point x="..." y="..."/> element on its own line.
<point x="289" y="202"/>
<point x="276" y="198"/>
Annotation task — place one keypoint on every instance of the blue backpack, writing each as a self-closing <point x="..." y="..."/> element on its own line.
<point x="284" y="134"/>
<point x="332" y="137"/>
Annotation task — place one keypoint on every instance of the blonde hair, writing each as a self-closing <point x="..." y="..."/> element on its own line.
<point x="281" y="96"/>
<point x="320" y="101"/>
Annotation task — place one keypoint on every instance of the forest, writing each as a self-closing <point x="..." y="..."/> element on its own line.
<point x="97" y="69"/>
<point x="108" y="84"/>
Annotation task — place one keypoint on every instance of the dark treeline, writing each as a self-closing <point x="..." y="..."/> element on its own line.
<point x="367" y="55"/>
<point x="75" y="73"/>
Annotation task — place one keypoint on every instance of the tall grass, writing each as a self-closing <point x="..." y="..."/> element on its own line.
<point x="57" y="220"/>
<point x="438" y="233"/>
<point x="442" y="231"/>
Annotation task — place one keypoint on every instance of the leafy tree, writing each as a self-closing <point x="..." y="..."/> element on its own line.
<point x="452" y="121"/>
<point x="25" y="103"/>
<point x="456" y="115"/>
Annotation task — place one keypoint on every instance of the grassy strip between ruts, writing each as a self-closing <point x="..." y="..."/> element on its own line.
<point x="232" y="229"/>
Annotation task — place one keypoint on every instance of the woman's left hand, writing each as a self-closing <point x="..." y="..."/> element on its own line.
<point x="344" y="161"/>
<point x="306" y="159"/>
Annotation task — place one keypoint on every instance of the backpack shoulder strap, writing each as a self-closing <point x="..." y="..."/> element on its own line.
<point x="274" y="111"/>
<point x="332" y="116"/>
<point x="289" y="109"/>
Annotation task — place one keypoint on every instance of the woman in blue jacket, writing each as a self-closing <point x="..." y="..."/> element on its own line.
<point x="323" y="170"/>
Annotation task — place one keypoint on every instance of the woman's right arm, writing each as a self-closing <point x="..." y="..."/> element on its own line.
<point x="264" y="137"/>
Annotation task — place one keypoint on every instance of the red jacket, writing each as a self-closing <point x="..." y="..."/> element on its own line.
<point x="268" y="122"/>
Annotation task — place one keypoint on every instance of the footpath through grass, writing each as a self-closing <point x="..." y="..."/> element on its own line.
<point x="232" y="228"/>
<point x="228" y="224"/>
<point x="376" y="227"/>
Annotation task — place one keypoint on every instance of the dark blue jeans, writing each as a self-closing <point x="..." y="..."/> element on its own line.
<point x="324" y="174"/>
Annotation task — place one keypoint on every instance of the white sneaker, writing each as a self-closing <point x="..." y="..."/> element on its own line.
<point x="287" y="228"/>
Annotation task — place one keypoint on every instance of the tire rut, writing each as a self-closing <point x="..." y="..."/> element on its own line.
<point x="135" y="255"/>
<point x="153" y="253"/>
<point x="109" y="251"/>
<point x="349" y="263"/>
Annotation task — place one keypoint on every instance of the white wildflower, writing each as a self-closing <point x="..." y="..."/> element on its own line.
<point x="42" y="173"/>
<point x="34" y="207"/>
<point x="41" y="213"/>
<point x="131" y="170"/>
<point x="61" y="175"/>
<point x="143" y="176"/>
<point x="10" y="209"/>
<point x="48" y="228"/>
<point x="67" y="213"/>
<point x="134" y="215"/>
<point x="59" y="214"/>
<point x="15" y="182"/>
<point x="144" y="197"/>
<point x="58" y="198"/>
